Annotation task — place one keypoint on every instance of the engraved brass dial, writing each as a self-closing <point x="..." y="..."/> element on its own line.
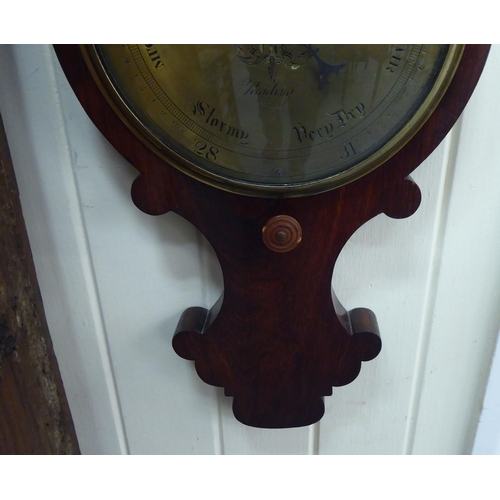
<point x="274" y="120"/>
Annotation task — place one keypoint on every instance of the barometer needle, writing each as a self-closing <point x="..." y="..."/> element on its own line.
<point x="324" y="68"/>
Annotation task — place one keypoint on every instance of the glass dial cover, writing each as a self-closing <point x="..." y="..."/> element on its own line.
<point x="274" y="120"/>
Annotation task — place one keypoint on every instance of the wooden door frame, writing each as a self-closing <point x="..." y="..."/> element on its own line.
<point x="34" y="412"/>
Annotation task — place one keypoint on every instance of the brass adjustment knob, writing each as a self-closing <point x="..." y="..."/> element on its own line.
<point x="282" y="233"/>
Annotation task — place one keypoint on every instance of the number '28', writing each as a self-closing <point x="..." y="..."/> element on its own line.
<point x="209" y="153"/>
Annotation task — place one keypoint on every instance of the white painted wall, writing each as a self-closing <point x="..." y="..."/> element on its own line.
<point x="488" y="432"/>
<point x="114" y="282"/>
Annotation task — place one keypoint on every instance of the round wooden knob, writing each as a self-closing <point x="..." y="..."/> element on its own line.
<point x="282" y="233"/>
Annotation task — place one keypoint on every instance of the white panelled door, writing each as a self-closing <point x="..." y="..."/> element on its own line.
<point x="114" y="282"/>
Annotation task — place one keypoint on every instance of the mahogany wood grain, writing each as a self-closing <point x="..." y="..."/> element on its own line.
<point x="277" y="341"/>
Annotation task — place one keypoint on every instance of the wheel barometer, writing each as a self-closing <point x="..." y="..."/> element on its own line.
<point x="277" y="154"/>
